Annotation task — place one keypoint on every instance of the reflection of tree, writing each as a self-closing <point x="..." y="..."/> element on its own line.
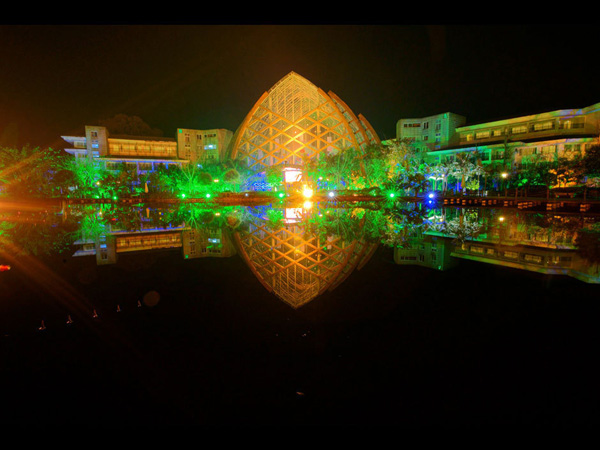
<point x="338" y="222"/>
<point x="35" y="234"/>
<point x="91" y="226"/>
<point x="588" y="244"/>
<point x="466" y="226"/>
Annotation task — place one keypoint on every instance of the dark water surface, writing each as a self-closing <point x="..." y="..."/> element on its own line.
<point x="407" y="346"/>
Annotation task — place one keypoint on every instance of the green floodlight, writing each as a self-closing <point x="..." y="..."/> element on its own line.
<point x="207" y="195"/>
<point x="281" y="195"/>
<point x="391" y="195"/>
<point x="182" y="195"/>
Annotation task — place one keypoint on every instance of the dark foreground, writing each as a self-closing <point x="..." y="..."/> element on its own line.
<point x="404" y="346"/>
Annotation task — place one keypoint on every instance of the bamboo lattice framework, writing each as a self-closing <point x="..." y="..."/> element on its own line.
<point x="296" y="121"/>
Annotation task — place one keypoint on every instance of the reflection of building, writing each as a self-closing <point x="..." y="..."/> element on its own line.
<point x="518" y="140"/>
<point x="297" y="265"/>
<point x="294" y="122"/>
<point x="551" y="261"/>
<point x="444" y="253"/>
<point x="508" y="239"/>
<point x="427" y="251"/>
<point x="192" y="242"/>
<point x="147" y="153"/>
<point x="207" y="243"/>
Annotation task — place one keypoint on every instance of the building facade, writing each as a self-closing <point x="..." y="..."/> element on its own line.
<point x="146" y="153"/>
<point x="203" y="146"/>
<point x="432" y="132"/>
<point x="295" y="122"/>
<point x="519" y="141"/>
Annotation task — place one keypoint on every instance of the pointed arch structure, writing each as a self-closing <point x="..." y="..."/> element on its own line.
<point x="296" y="121"/>
<point x="290" y="124"/>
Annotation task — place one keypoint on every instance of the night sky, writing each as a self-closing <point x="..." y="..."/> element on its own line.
<point x="56" y="78"/>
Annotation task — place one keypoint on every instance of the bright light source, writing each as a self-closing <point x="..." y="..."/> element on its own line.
<point x="501" y="219"/>
<point x="281" y="194"/>
<point x="207" y="195"/>
<point x="307" y="205"/>
<point x="392" y="195"/>
<point x="182" y="195"/>
<point x="331" y="194"/>
<point x="431" y="195"/>
<point x="307" y="192"/>
<point x="504" y="174"/>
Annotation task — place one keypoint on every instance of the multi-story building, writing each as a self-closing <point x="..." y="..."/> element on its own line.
<point x="523" y="140"/>
<point x="430" y="133"/>
<point x="203" y="146"/>
<point x="146" y="153"/>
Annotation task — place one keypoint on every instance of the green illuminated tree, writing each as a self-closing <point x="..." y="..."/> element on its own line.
<point x="87" y="176"/>
<point x="31" y="172"/>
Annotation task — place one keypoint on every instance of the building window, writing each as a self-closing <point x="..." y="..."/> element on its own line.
<point x="533" y="258"/>
<point x="541" y="126"/>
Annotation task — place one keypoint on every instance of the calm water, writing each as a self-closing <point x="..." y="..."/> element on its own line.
<point x="277" y="315"/>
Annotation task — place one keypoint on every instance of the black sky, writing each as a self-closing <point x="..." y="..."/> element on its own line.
<point x="54" y="79"/>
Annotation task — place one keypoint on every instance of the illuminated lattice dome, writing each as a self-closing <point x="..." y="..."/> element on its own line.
<point x="295" y="121"/>
<point x="296" y="265"/>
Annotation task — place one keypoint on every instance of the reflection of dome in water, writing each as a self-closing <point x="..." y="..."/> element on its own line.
<point x="295" y="121"/>
<point x="295" y="265"/>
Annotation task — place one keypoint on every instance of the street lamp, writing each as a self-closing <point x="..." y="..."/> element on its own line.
<point x="504" y="176"/>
